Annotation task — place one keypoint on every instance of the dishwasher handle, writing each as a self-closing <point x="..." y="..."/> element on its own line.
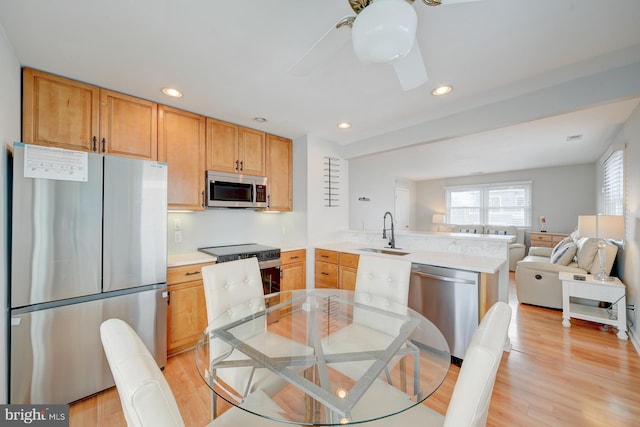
<point x="443" y="278"/>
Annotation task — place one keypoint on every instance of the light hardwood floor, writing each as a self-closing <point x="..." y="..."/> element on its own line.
<point x="554" y="376"/>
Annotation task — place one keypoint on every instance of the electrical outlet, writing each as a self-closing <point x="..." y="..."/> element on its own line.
<point x="177" y="236"/>
<point x="177" y="224"/>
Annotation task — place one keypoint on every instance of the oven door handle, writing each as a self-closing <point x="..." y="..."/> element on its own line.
<point x="271" y="263"/>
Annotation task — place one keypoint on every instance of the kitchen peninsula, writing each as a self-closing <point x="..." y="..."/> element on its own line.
<point x="455" y="277"/>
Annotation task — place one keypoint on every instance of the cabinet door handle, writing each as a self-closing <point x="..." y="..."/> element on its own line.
<point x="324" y="273"/>
<point x="241" y="165"/>
<point x="237" y="163"/>
<point x="324" y="256"/>
<point x="95" y="143"/>
<point x="104" y="145"/>
<point x="295" y="257"/>
<point x="192" y="273"/>
<point x="204" y="202"/>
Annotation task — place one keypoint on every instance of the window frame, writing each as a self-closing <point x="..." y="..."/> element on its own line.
<point x="486" y="195"/>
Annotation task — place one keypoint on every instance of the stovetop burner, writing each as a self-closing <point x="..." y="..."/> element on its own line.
<point x="247" y="250"/>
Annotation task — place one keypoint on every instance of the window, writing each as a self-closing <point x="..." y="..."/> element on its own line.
<point x="495" y="204"/>
<point x="613" y="182"/>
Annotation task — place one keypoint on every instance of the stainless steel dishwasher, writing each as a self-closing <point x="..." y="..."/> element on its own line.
<point x="450" y="299"/>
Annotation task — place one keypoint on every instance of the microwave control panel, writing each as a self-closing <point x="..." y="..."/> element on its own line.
<point x="261" y="193"/>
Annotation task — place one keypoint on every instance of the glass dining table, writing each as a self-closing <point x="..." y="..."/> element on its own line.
<point x="322" y="357"/>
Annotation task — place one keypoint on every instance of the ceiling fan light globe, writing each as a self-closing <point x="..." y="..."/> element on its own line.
<point x="384" y="31"/>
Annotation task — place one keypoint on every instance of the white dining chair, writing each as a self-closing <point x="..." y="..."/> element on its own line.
<point x="145" y="395"/>
<point x="233" y="290"/>
<point x="469" y="404"/>
<point x="381" y="282"/>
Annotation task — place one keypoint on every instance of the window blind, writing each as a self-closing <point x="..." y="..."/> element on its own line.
<point x="613" y="183"/>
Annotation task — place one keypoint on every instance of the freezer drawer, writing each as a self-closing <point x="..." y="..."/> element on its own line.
<point x="449" y="299"/>
<point x="57" y="355"/>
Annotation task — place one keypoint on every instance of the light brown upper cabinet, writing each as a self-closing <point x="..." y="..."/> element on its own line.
<point x="128" y="126"/>
<point x="235" y="149"/>
<point x="279" y="173"/>
<point x="59" y="112"/>
<point x="65" y="113"/>
<point x="181" y="143"/>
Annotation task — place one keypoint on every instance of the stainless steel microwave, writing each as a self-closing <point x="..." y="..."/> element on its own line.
<point x="230" y="190"/>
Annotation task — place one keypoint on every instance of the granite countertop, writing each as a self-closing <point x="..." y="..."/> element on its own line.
<point x="481" y="264"/>
<point x="196" y="257"/>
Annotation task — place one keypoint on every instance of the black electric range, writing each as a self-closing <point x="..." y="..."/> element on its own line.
<point x="247" y="250"/>
<point x="268" y="261"/>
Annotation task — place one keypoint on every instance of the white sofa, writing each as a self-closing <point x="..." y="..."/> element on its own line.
<point x="537" y="280"/>
<point x="516" y="248"/>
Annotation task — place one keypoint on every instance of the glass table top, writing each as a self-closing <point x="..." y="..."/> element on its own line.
<point x="322" y="357"/>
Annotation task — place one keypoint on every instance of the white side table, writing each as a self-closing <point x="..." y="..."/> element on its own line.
<point x="611" y="291"/>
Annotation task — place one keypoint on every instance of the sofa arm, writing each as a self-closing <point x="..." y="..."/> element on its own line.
<point x="540" y="251"/>
<point x="516" y="253"/>
<point x="548" y="267"/>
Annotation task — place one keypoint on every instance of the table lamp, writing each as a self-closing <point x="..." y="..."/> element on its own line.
<point x="601" y="227"/>
<point x="438" y="218"/>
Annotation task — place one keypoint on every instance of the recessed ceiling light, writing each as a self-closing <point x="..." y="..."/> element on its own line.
<point x="344" y="125"/>
<point x="442" y="90"/>
<point x="260" y="119"/>
<point x="169" y="91"/>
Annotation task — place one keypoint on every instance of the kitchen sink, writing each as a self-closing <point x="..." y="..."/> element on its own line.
<point x="384" y="251"/>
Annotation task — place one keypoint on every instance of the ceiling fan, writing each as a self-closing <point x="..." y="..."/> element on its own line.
<point x="383" y="32"/>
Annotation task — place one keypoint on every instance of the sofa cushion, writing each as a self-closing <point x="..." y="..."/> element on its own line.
<point x="587" y="250"/>
<point x="564" y="252"/>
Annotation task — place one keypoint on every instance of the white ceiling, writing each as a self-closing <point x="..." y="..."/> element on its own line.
<point x="526" y="74"/>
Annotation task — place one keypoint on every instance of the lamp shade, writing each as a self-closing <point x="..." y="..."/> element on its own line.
<point x="384" y="31"/>
<point x="604" y="226"/>
<point x="587" y="226"/>
<point x="438" y="219"/>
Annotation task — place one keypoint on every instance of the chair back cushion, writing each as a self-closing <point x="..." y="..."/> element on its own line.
<point x="230" y="284"/>
<point x="469" y="404"/>
<point x="145" y="395"/>
<point x="381" y="282"/>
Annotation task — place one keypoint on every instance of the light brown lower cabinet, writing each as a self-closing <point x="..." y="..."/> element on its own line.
<point x="348" y="270"/>
<point x="336" y="269"/>
<point x="187" y="309"/>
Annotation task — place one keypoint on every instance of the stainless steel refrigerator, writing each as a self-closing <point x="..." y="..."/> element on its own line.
<point x="82" y="252"/>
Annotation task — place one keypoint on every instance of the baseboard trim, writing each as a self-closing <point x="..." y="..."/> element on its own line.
<point x="634" y="340"/>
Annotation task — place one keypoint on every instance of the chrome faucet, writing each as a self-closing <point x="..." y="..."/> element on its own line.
<point x="392" y="241"/>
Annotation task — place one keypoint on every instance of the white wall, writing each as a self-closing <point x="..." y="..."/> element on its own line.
<point x="376" y="185"/>
<point x="558" y="193"/>
<point x="629" y="258"/>
<point x="324" y="223"/>
<point x="229" y="226"/>
<point x="10" y="109"/>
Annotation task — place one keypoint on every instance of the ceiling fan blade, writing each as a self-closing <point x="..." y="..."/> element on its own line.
<point x="327" y="46"/>
<point x="410" y="70"/>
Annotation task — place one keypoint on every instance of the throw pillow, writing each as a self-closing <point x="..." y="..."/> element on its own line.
<point x="587" y="251"/>
<point x="496" y="231"/>
<point x="564" y="253"/>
